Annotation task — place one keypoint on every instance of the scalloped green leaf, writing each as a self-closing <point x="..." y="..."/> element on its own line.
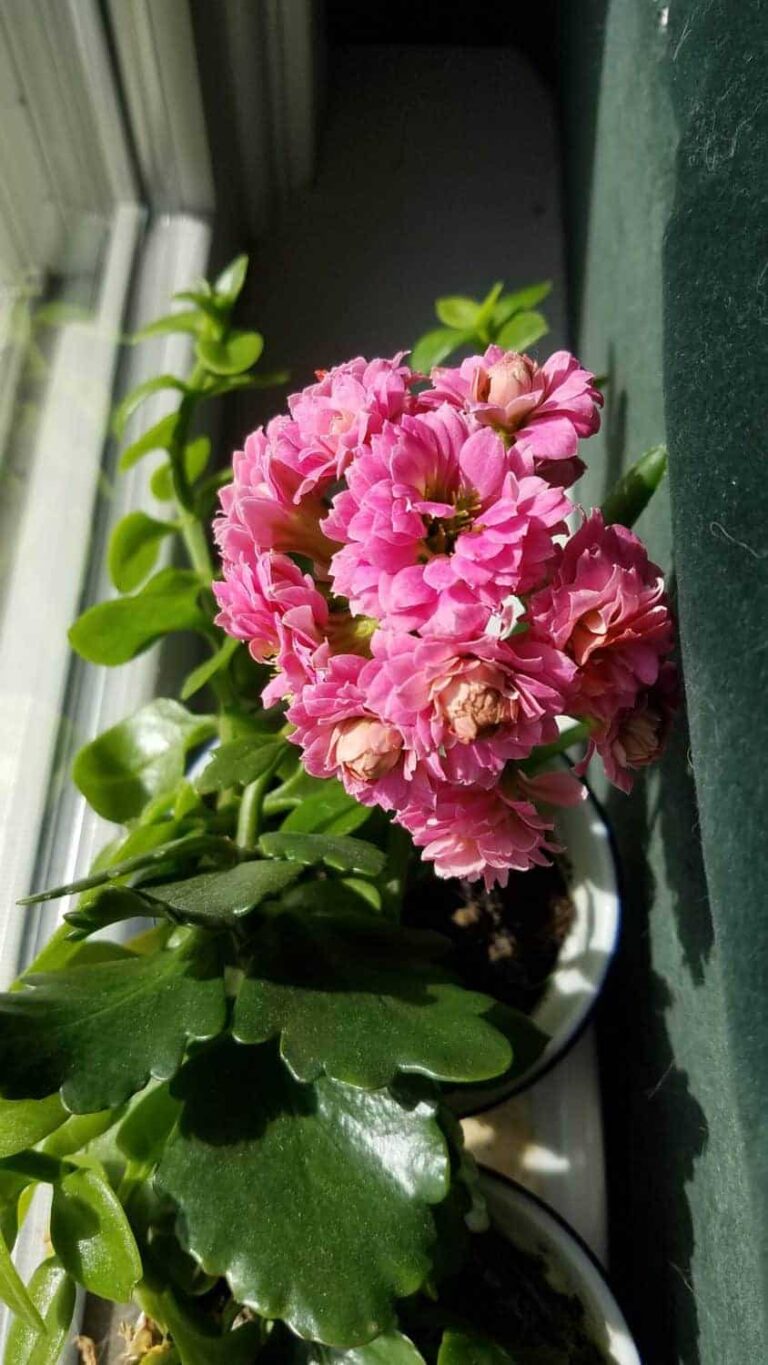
<point x="212" y="846"/>
<point x="239" y="762"/>
<point x="157" y="437"/>
<point x="97" y="1034"/>
<point x="343" y="1181"/>
<point x="392" y="1348"/>
<point x="466" y="1348"/>
<point x="138" y="758"/>
<point x="92" y="1236"/>
<point x="115" y="632"/>
<point x="25" y="1122"/>
<point x="338" y="851"/>
<point x="133" y="548"/>
<point x="330" y="810"/>
<point x="221" y="898"/>
<point x="53" y="1293"/>
<point x="522" y="331"/>
<point x="230" y="355"/>
<point x="362" y="1001"/>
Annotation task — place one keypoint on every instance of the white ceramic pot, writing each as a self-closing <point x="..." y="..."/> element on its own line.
<point x="535" y="1228"/>
<point x="585" y="956"/>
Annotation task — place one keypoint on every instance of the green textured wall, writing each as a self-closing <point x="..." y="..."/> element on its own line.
<point x="665" y="144"/>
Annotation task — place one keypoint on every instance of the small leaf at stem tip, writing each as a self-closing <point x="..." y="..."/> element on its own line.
<point x="520" y="301"/>
<point x="522" y="331"/>
<point x="230" y="355"/>
<point x="189" y="321"/>
<point x="158" y="437"/>
<point x="115" y="632"/>
<point x="337" y="851"/>
<point x="436" y="346"/>
<point x="133" y="549"/>
<point x="208" y="669"/>
<point x="230" y="282"/>
<point x="137" y="396"/>
<point x="240" y="762"/>
<point x="634" y="490"/>
<point x="53" y="1293"/>
<point x="138" y="758"/>
<point x="458" y="312"/>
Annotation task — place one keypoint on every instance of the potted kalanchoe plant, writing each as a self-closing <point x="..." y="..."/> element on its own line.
<point x="241" y="1110"/>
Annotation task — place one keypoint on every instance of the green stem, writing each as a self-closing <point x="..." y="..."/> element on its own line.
<point x="251" y="811"/>
<point x="197" y="547"/>
<point x="575" y="734"/>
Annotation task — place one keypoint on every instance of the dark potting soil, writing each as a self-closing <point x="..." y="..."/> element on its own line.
<point x="503" y="1293"/>
<point x="505" y="941"/>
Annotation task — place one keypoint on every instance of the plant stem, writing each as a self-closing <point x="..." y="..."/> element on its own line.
<point x="197" y="546"/>
<point x="575" y="734"/>
<point x="251" y="810"/>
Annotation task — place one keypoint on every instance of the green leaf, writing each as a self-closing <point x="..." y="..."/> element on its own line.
<point x="485" y="311"/>
<point x="194" y="1335"/>
<point x="202" y="298"/>
<point x="232" y="354"/>
<point x="458" y="312"/>
<point x="208" y="669"/>
<point x="220" y="898"/>
<point x="635" y="488"/>
<point x="138" y="758"/>
<point x="113" y="905"/>
<point x="342" y="1180"/>
<point x="435" y="346"/>
<point x="97" y="1034"/>
<point x="13" y="1291"/>
<point x="232" y="278"/>
<point x="521" y="301"/>
<point x="92" y="1236"/>
<point x="361" y="1002"/>
<point x="189" y="320"/>
<point x="390" y="1349"/>
<point x="133" y="549"/>
<point x="522" y="331"/>
<point x="144" y="1131"/>
<point x="25" y="1122"/>
<point x="157" y="437"/>
<point x="115" y="632"/>
<point x="53" y="1294"/>
<point x="239" y="762"/>
<point x="335" y="850"/>
<point x="330" y="811"/>
<point x="125" y="410"/>
<point x="197" y="453"/>
<point x="463" y="1348"/>
<point x="79" y="1131"/>
<point x="191" y="845"/>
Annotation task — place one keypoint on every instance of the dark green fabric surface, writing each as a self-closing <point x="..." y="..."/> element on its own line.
<point x="666" y="147"/>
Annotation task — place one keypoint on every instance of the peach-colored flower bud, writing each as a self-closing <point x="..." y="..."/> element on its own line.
<point x="510" y="378"/>
<point x="474" y="703"/>
<point x="367" y="749"/>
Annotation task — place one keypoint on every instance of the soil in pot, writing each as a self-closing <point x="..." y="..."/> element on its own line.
<point x="506" y="941"/>
<point x="503" y="1293"/>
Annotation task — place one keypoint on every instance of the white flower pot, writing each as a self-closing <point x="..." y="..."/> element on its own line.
<point x="585" y="956"/>
<point x="535" y="1228"/>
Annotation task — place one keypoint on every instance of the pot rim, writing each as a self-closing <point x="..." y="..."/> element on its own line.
<point x="560" y="1043"/>
<point x="490" y="1177"/>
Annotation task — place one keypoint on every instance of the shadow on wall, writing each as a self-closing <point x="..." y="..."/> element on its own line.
<point x="655" y="1127"/>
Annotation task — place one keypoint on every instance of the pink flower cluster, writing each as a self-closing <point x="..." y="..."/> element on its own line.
<point x="401" y="554"/>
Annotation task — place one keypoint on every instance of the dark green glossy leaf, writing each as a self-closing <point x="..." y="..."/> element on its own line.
<point x="232" y="354"/>
<point x="220" y="898"/>
<point x="197" y="453"/>
<point x="157" y="437"/>
<point x="133" y="549"/>
<point x="139" y="395"/>
<point x="208" y="669"/>
<point x="92" y="1236"/>
<point x="25" y="1122"/>
<point x="342" y="1179"/>
<point x="189" y="320"/>
<point x="435" y="346"/>
<point x="330" y="810"/>
<point x="362" y="1001"/>
<point x="212" y="846"/>
<point x="115" y="632"/>
<point x="97" y="1034"/>
<point x="13" y="1291"/>
<point x="635" y="489"/>
<point x="392" y="1348"/>
<point x="239" y="762"/>
<point x="53" y="1294"/>
<point x="230" y="282"/>
<point x="520" y="302"/>
<point x="522" y="331"/>
<point x="458" y="312"/>
<point x="462" y="1348"/>
<point x="113" y="905"/>
<point x="138" y="758"/>
<point x="335" y="850"/>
